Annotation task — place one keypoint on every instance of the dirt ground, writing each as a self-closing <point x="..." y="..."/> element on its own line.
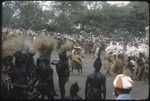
<point x="139" y="91"/>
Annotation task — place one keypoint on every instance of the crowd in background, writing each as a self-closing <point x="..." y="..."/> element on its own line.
<point x="128" y="59"/>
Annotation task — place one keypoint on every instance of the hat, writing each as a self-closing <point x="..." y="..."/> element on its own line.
<point x="123" y="82"/>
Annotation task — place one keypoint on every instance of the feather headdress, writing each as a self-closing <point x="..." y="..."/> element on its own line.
<point x="11" y="35"/>
<point x="144" y="49"/>
<point x="68" y="46"/>
<point x="115" y="49"/>
<point x="44" y="45"/>
<point x="132" y="51"/>
<point x="12" y="44"/>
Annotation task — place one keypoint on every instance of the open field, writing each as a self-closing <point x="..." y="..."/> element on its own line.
<point x="140" y="90"/>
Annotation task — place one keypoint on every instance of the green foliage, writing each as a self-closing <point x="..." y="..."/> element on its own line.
<point x="65" y="16"/>
<point x="7" y="13"/>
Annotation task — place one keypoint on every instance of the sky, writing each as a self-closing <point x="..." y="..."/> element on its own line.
<point x="118" y="2"/>
<point x="48" y="3"/>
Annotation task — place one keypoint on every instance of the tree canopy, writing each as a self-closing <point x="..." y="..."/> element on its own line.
<point x="71" y="17"/>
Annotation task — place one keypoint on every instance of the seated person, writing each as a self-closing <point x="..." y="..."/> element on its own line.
<point x="74" y="89"/>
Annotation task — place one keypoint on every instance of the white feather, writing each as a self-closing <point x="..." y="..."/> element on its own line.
<point x="132" y="51"/>
<point x="115" y="49"/>
<point x="143" y="48"/>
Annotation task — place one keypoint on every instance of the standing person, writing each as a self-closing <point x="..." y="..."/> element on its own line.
<point x="74" y="89"/>
<point x="7" y="70"/>
<point x="77" y="62"/>
<point x="59" y="43"/>
<point x="43" y="71"/>
<point x="95" y="88"/>
<point x="20" y="76"/>
<point x="44" y="74"/>
<point x="30" y="65"/>
<point x="140" y="69"/>
<point x="62" y="68"/>
<point x="123" y="85"/>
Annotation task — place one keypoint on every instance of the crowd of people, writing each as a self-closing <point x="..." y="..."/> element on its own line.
<point x="27" y="72"/>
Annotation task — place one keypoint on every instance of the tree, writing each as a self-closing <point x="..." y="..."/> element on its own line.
<point x="31" y="14"/>
<point x="140" y="17"/>
<point x="8" y="11"/>
<point x="73" y="17"/>
<point x="65" y="14"/>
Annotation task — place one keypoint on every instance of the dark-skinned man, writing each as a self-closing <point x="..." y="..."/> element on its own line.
<point x="95" y="88"/>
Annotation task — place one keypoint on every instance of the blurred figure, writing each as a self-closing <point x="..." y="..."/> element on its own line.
<point x="62" y="68"/>
<point x="77" y="59"/>
<point x="74" y="89"/>
<point x="140" y="69"/>
<point x="44" y="74"/>
<point x="20" y="76"/>
<point x="59" y="43"/>
<point x="95" y="88"/>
